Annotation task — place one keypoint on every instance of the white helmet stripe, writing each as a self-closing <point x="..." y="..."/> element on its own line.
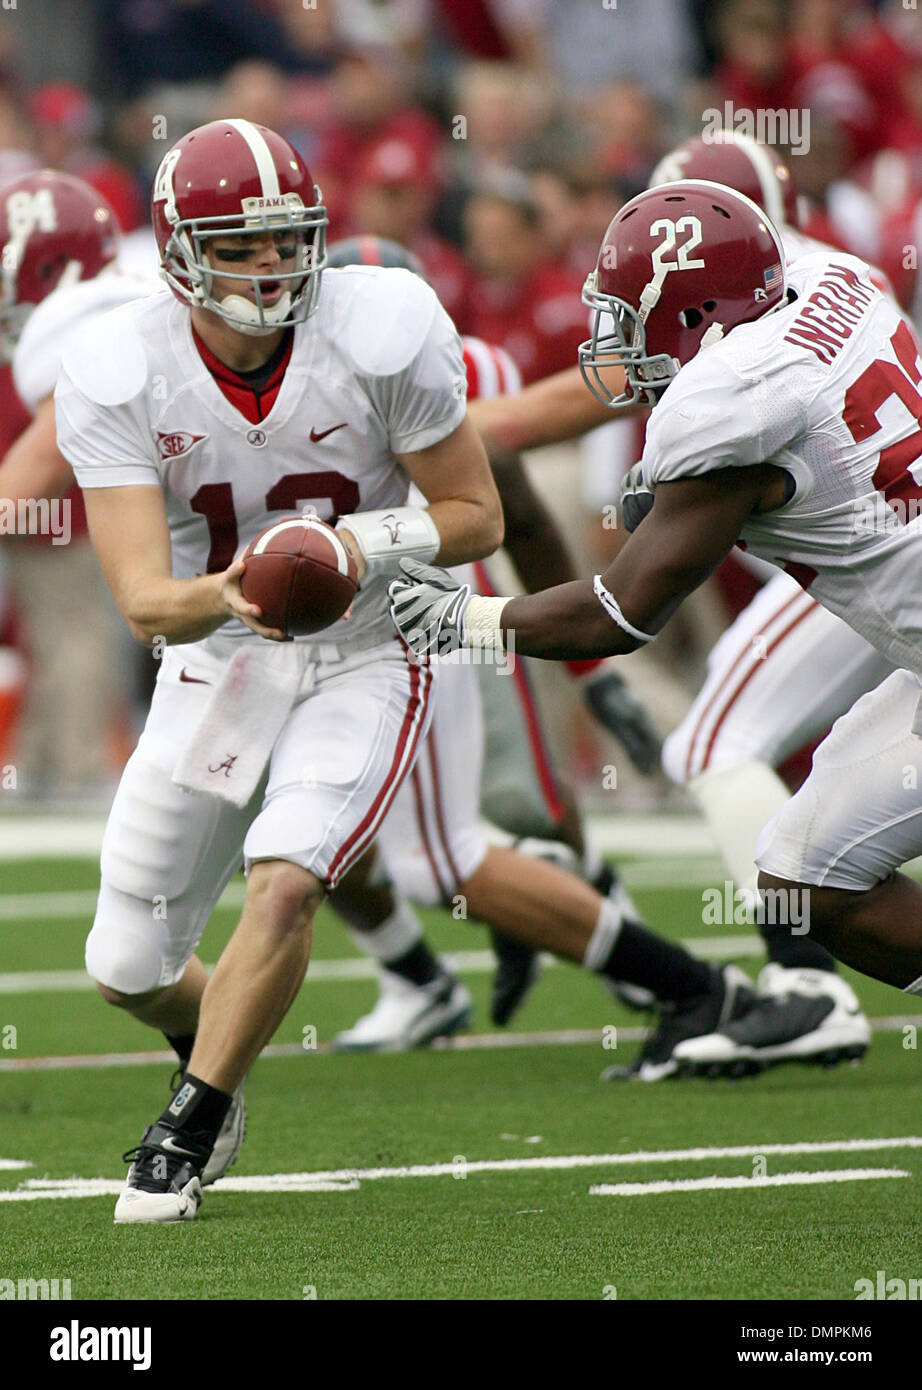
<point x="265" y="164"/>
<point x="765" y="172"/>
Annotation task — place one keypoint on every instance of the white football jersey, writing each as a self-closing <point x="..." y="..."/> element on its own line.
<point x="41" y="345"/>
<point x="827" y="389"/>
<point x="377" y="370"/>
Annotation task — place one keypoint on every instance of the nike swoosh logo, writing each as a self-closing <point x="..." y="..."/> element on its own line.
<point x="172" y="1147"/>
<point x="191" y="680"/>
<point x="317" y="435"/>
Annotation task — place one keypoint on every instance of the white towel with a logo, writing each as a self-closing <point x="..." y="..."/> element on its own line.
<point x="232" y="744"/>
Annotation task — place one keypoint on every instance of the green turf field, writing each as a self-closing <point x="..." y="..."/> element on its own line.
<point x="429" y="1175"/>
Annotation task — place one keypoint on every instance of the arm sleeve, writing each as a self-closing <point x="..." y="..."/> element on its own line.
<point x="426" y="401"/>
<point x="103" y="444"/>
<point x="713" y="417"/>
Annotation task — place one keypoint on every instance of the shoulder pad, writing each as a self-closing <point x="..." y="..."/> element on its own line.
<point x="381" y="316"/>
<point x="105" y="358"/>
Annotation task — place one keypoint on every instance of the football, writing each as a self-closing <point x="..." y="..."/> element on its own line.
<point x="300" y="574"/>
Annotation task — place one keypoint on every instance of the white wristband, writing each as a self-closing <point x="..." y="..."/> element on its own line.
<point x="613" y="609"/>
<point x="482" y="623"/>
<point x="386" y="538"/>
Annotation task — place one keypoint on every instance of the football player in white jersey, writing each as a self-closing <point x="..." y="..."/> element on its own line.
<point x="69" y="268"/>
<point x="786" y="413"/>
<point x="191" y="421"/>
<point x="779" y="676"/>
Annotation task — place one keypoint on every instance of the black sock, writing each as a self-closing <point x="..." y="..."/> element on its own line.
<point x="418" y="966"/>
<point x="197" y="1109"/>
<point x="182" y="1046"/>
<point x="641" y="958"/>
<point x="794" y="952"/>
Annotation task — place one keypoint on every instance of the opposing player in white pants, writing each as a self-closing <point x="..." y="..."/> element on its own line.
<point x="192" y="426"/>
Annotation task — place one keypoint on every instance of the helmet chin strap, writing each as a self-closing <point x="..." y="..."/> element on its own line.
<point x="245" y="316"/>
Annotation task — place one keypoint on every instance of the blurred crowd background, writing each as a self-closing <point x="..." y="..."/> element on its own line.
<point x="496" y="139"/>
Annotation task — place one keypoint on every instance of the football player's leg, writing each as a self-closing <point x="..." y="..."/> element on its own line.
<point x="777" y="678"/>
<point x="521" y="792"/>
<point x="828" y="862"/>
<point x="333" y="771"/>
<point x="166" y="858"/>
<point x="420" y="998"/>
<point x="840" y="840"/>
<point x="540" y="904"/>
<point x="423" y="854"/>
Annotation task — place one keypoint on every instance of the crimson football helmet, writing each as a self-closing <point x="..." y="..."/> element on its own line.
<point x="54" y="230"/>
<point x="755" y="170"/>
<point x="679" y="267"/>
<point x="233" y="178"/>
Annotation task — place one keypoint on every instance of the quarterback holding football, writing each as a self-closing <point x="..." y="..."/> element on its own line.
<point x="193" y="421"/>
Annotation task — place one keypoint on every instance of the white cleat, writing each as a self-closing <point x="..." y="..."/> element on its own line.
<point x="164" y="1180"/>
<point x="801" y="1015"/>
<point x="155" y="1207"/>
<point x="408" y="1016"/>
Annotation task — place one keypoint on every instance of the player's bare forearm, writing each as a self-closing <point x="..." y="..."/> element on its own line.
<point x="534" y="541"/>
<point x="128" y="528"/>
<point x="550" y="411"/>
<point x="177" y="610"/>
<point x="468" y="530"/>
<point x="455" y="478"/>
<point x="690" y="529"/>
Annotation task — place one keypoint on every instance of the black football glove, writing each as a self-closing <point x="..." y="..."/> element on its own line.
<point x="618" y="708"/>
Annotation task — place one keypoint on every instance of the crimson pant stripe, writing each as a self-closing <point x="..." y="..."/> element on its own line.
<point x="439" y="812"/>
<point x="542" y="761"/>
<point x="721" y="688"/>
<point x="419" y="802"/>
<point x="795" y="622"/>
<point x="407" y="741"/>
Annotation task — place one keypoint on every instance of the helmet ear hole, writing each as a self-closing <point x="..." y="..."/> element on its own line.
<point x="691" y="318"/>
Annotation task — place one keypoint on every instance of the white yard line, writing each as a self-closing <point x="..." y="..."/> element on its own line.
<point x="652" y="1189"/>
<point x="349" y="1179"/>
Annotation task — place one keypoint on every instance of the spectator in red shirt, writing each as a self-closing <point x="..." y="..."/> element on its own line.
<point x="519" y="300"/>
<point x="369" y="104"/>
<point x="394" y="198"/>
<point x="66" y="123"/>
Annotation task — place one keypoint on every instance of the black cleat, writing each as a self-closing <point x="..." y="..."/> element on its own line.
<point x="801" y="1015"/>
<point x="730" y="995"/>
